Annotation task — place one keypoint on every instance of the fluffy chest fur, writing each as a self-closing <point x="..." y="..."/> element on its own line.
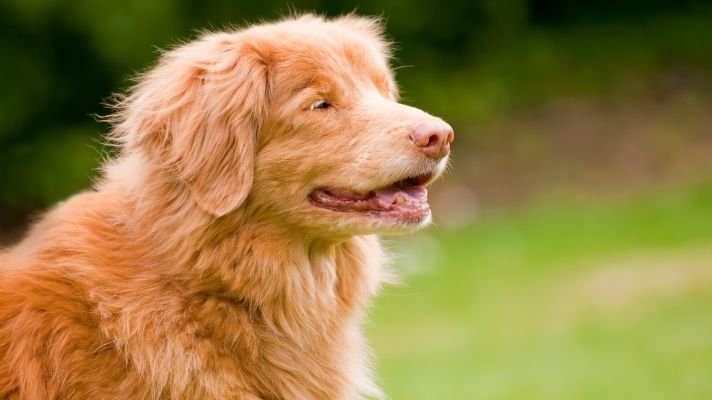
<point x="302" y="341"/>
<point x="256" y="315"/>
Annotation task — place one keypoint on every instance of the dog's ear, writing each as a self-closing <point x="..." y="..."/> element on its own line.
<point x="197" y="114"/>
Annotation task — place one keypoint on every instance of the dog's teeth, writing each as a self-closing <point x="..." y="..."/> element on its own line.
<point x="400" y="199"/>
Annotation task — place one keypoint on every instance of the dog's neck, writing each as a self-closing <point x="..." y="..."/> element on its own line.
<point x="239" y="256"/>
<point x="211" y="274"/>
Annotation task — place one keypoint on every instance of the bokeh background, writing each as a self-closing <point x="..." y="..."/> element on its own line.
<point x="572" y="252"/>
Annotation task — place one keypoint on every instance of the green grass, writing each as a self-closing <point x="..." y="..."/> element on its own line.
<point x="562" y="300"/>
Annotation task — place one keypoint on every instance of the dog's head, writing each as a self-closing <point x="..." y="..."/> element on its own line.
<point x="297" y="121"/>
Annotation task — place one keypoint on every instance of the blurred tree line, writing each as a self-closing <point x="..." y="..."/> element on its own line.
<point x="464" y="60"/>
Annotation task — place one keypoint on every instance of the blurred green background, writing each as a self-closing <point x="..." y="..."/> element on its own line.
<point x="572" y="252"/>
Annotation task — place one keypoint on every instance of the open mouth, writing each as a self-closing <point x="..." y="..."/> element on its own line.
<point x="406" y="199"/>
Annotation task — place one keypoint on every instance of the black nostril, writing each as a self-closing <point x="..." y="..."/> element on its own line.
<point x="434" y="139"/>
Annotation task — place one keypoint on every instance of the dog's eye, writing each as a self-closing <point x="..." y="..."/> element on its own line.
<point x="320" y="105"/>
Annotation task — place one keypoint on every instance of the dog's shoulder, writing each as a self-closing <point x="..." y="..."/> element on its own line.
<point x="49" y="328"/>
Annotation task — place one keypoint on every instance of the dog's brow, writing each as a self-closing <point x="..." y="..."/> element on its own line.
<point x="318" y="84"/>
<point x="309" y="84"/>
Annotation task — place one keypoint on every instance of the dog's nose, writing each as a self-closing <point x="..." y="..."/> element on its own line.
<point x="433" y="138"/>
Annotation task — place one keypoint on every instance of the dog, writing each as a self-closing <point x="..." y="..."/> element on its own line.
<point x="229" y="249"/>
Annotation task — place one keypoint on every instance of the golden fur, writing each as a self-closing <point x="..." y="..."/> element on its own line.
<point x="195" y="269"/>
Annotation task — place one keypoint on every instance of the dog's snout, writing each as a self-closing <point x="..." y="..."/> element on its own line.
<point x="433" y="138"/>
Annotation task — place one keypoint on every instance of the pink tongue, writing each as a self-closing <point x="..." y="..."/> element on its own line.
<point x="412" y="194"/>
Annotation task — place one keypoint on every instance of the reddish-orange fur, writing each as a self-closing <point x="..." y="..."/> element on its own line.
<point x="195" y="269"/>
